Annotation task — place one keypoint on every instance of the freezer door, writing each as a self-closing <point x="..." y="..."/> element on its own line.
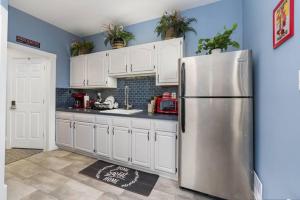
<point x="223" y="75"/>
<point x="216" y="148"/>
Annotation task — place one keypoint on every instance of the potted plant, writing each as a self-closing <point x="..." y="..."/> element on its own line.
<point x="79" y="48"/>
<point x="219" y="43"/>
<point x="173" y="25"/>
<point x="117" y="36"/>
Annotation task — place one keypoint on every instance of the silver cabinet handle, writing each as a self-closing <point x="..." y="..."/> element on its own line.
<point x="107" y="130"/>
<point x="74" y="125"/>
<point x="148" y="136"/>
<point x="155" y="136"/>
<point x="113" y="131"/>
<point x="131" y="67"/>
<point x="84" y="82"/>
<point x="70" y="124"/>
<point x="87" y="82"/>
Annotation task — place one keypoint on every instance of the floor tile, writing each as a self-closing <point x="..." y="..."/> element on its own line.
<point x="72" y="190"/>
<point x="55" y="163"/>
<point x="46" y="181"/>
<point x="38" y="195"/>
<point x="16" y="189"/>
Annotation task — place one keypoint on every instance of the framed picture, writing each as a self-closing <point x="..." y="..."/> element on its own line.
<point x="283" y="22"/>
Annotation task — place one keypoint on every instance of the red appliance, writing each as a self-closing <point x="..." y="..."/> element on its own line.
<point x="79" y="100"/>
<point x="166" y="104"/>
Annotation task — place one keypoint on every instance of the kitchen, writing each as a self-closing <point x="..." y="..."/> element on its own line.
<point x="123" y="107"/>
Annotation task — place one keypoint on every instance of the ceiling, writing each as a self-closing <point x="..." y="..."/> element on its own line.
<point x="86" y="17"/>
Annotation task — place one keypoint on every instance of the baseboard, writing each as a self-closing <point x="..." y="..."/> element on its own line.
<point x="258" y="188"/>
<point x="3" y="194"/>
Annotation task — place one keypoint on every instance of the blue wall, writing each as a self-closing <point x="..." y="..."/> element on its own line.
<point x="211" y="19"/>
<point x="4" y="3"/>
<point x="52" y="39"/>
<point x="277" y="101"/>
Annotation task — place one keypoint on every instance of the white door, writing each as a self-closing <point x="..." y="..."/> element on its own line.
<point x="64" y="132"/>
<point x="102" y="140"/>
<point x="121" y="144"/>
<point x="168" y="54"/>
<point x="96" y="69"/>
<point x="27" y="93"/>
<point x="77" y="71"/>
<point x="117" y="61"/>
<point x="141" y="58"/>
<point x="165" y="151"/>
<point x="141" y="147"/>
<point x="84" y="136"/>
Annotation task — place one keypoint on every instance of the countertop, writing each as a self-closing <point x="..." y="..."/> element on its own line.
<point x="143" y="114"/>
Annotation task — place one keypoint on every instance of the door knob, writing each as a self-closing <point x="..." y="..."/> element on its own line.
<point x="13" y="105"/>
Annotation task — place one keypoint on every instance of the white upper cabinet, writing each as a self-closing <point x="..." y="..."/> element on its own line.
<point x="77" y="71"/>
<point x="141" y="58"/>
<point x="117" y="61"/>
<point x="91" y="71"/>
<point x="168" y="53"/>
<point x="96" y="69"/>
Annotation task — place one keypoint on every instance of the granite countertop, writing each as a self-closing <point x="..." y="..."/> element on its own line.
<point x="143" y="114"/>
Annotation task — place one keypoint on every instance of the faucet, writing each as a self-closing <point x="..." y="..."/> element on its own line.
<point x="126" y="102"/>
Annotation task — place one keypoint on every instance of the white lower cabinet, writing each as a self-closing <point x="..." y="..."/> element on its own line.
<point x="84" y="136"/>
<point x="165" y="151"/>
<point x="64" y="132"/>
<point x="144" y="143"/>
<point x="102" y="140"/>
<point x="141" y="148"/>
<point x="121" y="144"/>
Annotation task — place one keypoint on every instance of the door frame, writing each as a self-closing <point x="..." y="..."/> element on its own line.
<point x="50" y="74"/>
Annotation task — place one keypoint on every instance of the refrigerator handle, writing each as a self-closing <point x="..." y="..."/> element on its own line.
<point x="182" y="85"/>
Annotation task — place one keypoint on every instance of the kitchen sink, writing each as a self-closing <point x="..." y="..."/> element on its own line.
<point x="122" y="111"/>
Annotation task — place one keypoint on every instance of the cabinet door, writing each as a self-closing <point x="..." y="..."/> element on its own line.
<point x="117" y="61"/>
<point x="168" y="54"/>
<point x="141" y="147"/>
<point x="64" y="133"/>
<point x="165" y="151"/>
<point x="96" y="69"/>
<point x="77" y="71"/>
<point x="121" y="144"/>
<point x="84" y="137"/>
<point x="141" y="58"/>
<point x="102" y="140"/>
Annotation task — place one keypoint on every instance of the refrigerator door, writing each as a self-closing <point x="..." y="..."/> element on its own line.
<point x="216" y="148"/>
<point x="219" y="75"/>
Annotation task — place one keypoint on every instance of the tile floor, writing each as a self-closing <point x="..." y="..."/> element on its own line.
<point x="54" y="176"/>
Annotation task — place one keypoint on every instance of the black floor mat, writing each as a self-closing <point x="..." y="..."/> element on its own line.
<point x="122" y="177"/>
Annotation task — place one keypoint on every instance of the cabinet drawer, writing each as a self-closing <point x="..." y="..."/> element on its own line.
<point x="121" y="122"/>
<point x="141" y="124"/>
<point x="84" y="118"/>
<point x="102" y="120"/>
<point x="64" y="115"/>
<point x="166" y="126"/>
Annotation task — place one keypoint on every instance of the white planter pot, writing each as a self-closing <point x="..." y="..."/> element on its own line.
<point x="215" y="51"/>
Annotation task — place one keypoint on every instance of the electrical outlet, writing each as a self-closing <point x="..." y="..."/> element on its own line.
<point x="258" y="188"/>
<point x="299" y="79"/>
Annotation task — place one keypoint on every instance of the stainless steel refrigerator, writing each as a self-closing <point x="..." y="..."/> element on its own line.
<point x="216" y="125"/>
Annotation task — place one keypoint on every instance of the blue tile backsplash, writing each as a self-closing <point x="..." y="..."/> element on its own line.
<point x="141" y="91"/>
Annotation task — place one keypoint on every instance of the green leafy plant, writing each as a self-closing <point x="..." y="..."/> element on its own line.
<point x="220" y="41"/>
<point x="174" y="25"/>
<point x="84" y="47"/>
<point x="116" y="33"/>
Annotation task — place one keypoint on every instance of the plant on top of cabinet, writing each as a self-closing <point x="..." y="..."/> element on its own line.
<point x="79" y="48"/>
<point x="173" y="25"/>
<point x="219" y="43"/>
<point x="117" y="36"/>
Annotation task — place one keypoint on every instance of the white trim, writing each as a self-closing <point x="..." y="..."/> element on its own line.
<point x="3" y="68"/>
<point x="50" y="92"/>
